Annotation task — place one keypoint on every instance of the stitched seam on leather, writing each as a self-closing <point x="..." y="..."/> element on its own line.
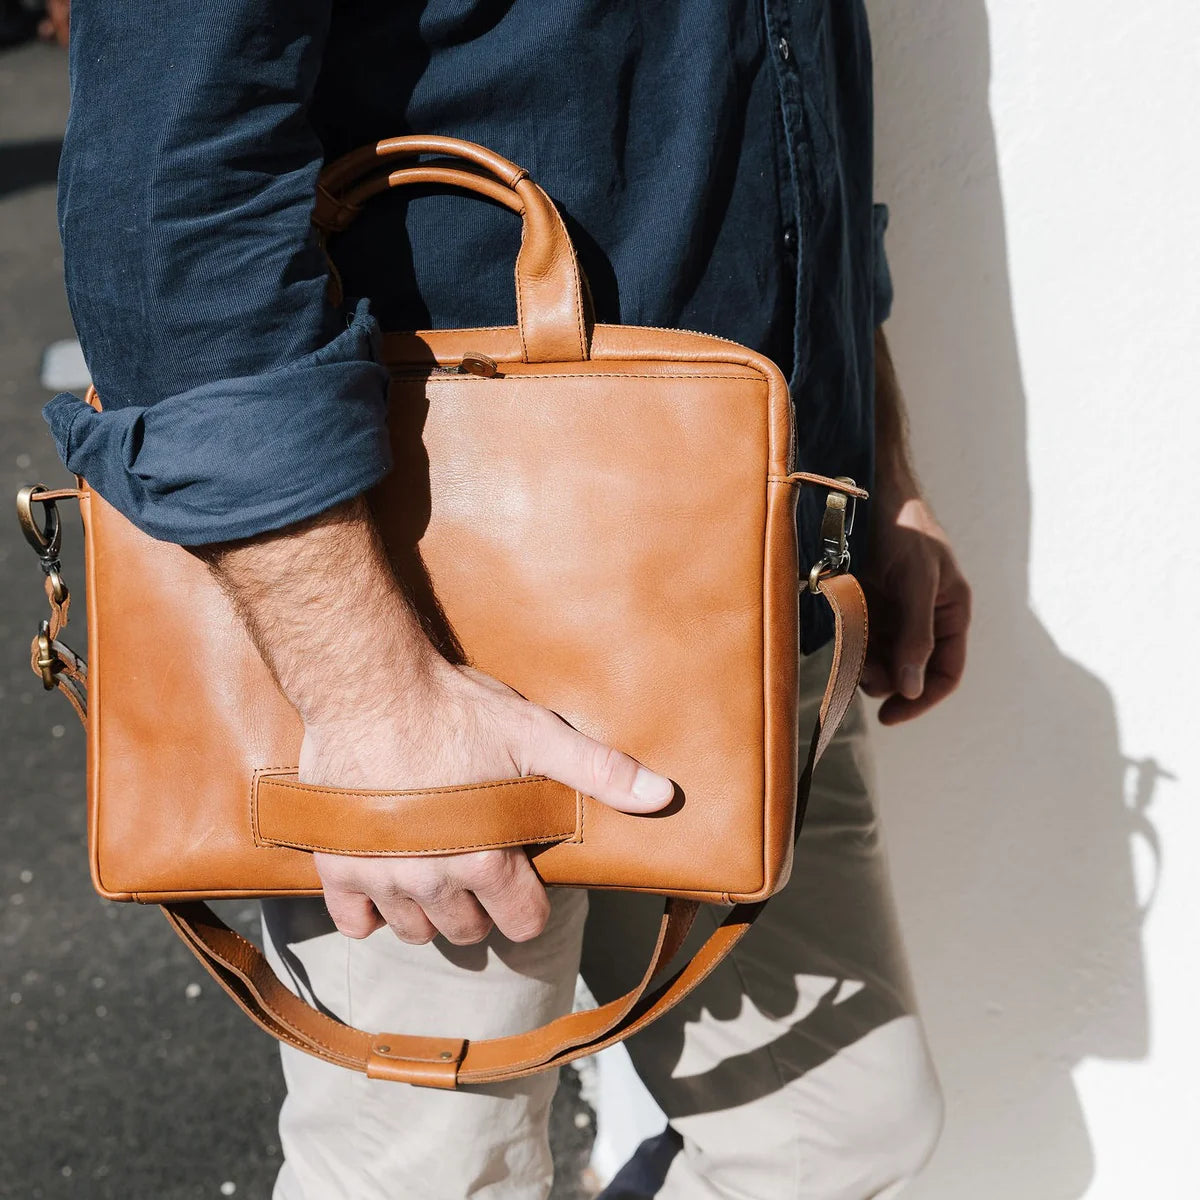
<point x="255" y="829"/>
<point x="95" y="727"/>
<point x="446" y="791"/>
<point x="278" y="842"/>
<point x="408" y="1058"/>
<point x="864" y="626"/>
<point x="855" y="493"/>
<point x="579" y="1045"/>
<point x="395" y="333"/>
<point x="254" y="807"/>
<point x="579" y="308"/>
<point x="748" y="357"/>
<point x="302" y="1040"/>
<point x="711" y="337"/>
<point x="574" y="263"/>
<point x="766" y="669"/>
<point x="517" y="288"/>
<point x="298" y="1035"/>
<point x="432" y="850"/>
<point x="522" y="378"/>
<point x="862" y="656"/>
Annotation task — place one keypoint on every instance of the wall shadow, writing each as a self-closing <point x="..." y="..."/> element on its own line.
<point x="1011" y="813"/>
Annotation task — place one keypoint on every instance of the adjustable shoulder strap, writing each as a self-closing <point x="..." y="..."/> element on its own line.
<point x="240" y="968"/>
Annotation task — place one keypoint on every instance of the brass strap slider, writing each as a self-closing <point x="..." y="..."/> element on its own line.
<point x="46" y="660"/>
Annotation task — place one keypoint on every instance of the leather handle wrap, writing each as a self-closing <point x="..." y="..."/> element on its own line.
<point x="550" y="305"/>
<point x="351" y="168"/>
<point x="240" y="968"/>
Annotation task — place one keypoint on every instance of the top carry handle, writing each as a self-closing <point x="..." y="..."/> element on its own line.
<point x="550" y="306"/>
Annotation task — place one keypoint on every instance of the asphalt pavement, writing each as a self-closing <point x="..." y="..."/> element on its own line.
<point x="125" y="1072"/>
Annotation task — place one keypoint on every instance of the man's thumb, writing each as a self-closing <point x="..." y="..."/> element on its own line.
<point x="573" y="758"/>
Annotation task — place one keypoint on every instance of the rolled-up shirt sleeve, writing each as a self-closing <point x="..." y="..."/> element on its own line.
<point x="235" y="398"/>
<point x="881" y="281"/>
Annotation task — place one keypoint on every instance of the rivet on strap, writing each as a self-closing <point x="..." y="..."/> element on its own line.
<point x="428" y="1062"/>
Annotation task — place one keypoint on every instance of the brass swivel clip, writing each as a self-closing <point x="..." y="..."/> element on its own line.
<point x="836" y="527"/>
<point x="46" y="540"/>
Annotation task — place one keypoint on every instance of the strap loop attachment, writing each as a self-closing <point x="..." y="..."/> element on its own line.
<point x="57" y="665"/>
<point x="836" y="526"/>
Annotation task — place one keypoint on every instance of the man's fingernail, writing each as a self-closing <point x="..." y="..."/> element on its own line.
<point x="651" y="788"/>
<point x="912" y="682"/>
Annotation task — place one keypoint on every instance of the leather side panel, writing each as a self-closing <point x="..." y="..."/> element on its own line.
<point x="781" y="617"/>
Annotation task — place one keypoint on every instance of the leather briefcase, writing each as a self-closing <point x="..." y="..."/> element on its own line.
<point x="605" y="520"/>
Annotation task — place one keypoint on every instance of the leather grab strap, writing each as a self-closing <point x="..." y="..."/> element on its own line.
<point x="550" y="304"/>
<point x="532" y="811"/>
<point x="240" y="968"/>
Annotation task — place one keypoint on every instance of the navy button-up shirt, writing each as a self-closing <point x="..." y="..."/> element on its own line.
<point x="712" y="158"/>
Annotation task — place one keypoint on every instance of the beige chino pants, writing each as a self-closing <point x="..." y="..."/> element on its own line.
<point x="797" y="1071"/>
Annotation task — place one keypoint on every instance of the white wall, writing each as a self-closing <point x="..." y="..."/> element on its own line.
<point x="1042" y="162"/>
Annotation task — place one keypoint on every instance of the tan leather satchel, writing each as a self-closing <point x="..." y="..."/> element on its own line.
<point x="605" y="521"/>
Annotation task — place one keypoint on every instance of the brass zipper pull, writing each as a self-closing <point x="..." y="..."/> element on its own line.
<point x="474" y="363"/>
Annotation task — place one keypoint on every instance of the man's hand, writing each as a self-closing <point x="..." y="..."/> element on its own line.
<point x="396" y="714"/>
<point x="462" y="727"/>
<point x="919" y="601"/>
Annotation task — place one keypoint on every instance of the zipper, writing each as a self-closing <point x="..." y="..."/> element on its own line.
<point x="474" y="363"/>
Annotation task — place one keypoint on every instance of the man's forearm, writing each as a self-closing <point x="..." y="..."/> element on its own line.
<point x="895" y="477"/>
<point x="383" y="709"/>
<point x="325" y="610"/>
<point x="919" y="600"/>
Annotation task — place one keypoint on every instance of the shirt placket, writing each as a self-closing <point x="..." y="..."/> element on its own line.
<point x="796" y="199"/>
<point x="800" y="201"/>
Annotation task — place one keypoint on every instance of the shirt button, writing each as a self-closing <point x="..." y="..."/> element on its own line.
<point x="785" y="51"/>
<point x="789" y="238"/>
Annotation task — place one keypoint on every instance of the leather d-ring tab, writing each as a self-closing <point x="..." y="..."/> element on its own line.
<point x="426" y="1062"/>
